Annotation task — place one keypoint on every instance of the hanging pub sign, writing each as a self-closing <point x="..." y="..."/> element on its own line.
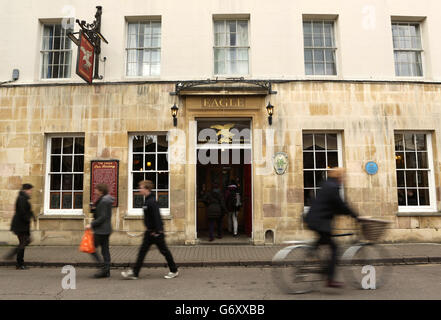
<point x="89" y="47"/>
<point x="85" y="58"/>
<point x="104" y="171"/>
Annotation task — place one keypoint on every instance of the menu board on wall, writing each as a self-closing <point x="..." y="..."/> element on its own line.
<point x="104" y="171"/>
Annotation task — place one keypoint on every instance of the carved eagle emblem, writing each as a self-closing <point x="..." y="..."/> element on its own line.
<point x="224" y="131"/>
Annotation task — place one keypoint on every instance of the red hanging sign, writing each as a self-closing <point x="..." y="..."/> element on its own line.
<point x="85" y="58"/>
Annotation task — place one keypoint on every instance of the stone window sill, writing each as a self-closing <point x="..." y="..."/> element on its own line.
<point x="61" y="216"/>
<point x="419" y="214"/>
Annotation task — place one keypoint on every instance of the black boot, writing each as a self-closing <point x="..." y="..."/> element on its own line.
<point x="103" y="273"/>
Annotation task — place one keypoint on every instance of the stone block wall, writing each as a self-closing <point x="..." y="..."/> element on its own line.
<point x="366" y="114"/>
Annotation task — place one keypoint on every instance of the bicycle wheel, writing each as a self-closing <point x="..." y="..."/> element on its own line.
<point x="297" y="269"/>
<point x="365" y="266"/>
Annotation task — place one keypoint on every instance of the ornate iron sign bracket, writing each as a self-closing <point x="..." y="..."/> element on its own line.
<point x="93" y="33"/>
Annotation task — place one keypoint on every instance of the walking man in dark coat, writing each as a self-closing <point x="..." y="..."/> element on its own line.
<point x="21" y="224"/>
<point x="102" y="227"/>
<point x="215" y="210"/>
<point x="153" y="235"/>
<point x="324" y="207"/>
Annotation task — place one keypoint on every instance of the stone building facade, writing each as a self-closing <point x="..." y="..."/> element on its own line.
<point x="49" y="128"/>
<point x="365" y="114"/>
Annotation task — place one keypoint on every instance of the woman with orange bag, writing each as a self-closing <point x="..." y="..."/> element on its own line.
<point x="102" y="228"/>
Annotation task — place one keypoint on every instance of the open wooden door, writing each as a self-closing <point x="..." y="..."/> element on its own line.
<point x="247" y="205"/>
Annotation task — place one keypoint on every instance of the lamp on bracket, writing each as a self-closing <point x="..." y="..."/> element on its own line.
<point x="174" y="113"/>
<point x="270" y="110"/>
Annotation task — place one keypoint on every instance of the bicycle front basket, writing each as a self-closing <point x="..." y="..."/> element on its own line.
<point x="373" y="229"/>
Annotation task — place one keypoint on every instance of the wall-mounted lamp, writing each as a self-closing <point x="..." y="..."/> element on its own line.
<point x="174" y="112"/>
<point x="15" y="76"/>
<point x="270" y="110"/>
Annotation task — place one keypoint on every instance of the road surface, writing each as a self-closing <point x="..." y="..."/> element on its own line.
<point x="407" y="282"/>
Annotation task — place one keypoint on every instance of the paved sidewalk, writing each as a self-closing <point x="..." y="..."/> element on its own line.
<point x="203" y="255"/>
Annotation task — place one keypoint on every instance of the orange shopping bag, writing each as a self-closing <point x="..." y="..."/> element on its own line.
<point x="87" y="244"/>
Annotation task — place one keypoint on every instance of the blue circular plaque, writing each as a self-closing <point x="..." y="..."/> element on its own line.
<point x="371" y="167"/>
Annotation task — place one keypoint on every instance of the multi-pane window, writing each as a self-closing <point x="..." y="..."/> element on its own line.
<point x="56" y="52"/>
<point x="65" y="173"/>
<point x="231" y="47"/>
<point x="149" y="161"/>
<point x="407" y="49"/>
<point x="413" y="167"/>
<point x="319" y="46"/>
<point x="144" y="48"/>
<point x="320" y="153"/>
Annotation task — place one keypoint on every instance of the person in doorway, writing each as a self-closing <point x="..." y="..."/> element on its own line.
<point x="324" y="207"/>
<point x="215" y="210"/>
<point x="21" y="225"/>
<point x="233" y="203"/>
<point x="102" y="228"/>
<point x="153" y="235"/>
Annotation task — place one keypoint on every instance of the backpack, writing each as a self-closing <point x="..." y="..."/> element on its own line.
<point x="234" y="200"/>
<point x="238" y="200"/>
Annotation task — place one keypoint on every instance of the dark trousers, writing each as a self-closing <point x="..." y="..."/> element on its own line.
<point x="102" y="240"/>
<point x="211" y="222"/>
<point x="159" y="241"/>
<point x="325" y="238"/>
<point x="24" y="239"/>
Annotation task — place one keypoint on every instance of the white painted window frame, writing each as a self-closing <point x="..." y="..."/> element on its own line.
<point x="225" y="20"/>
<point x="42" y="51"/>
<point x="420" y="51"/>
<point x="126" y="60"/>
<point x="47" y="210"/>
<point x="431" y="178"/>
<point x="339" y="156"/>
<point x="139" y="211"/>
<point x="334" y="48"/>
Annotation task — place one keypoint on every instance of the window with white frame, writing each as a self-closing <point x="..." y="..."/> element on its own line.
<point x="56" y="52"/>
<point x="319" y="47"/>
<point x="144" y="48"/>
<point x="231" y="47"/>
<point x="321" y="151"/>
<point x="65" y="174"/>
<point x="149" y="161"/>
<point x="407" y="49"/>
<point x="415" y="181"/>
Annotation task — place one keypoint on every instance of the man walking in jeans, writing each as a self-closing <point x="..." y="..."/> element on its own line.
<point x="153" y="235"/>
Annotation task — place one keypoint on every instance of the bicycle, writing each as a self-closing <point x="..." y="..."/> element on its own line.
<point x="301" y="266"/>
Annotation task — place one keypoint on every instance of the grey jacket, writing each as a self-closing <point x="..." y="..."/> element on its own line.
<point x="102" y="215"/>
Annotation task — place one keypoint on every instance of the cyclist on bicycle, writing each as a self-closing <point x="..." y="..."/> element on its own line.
<point x="324" y="207"/>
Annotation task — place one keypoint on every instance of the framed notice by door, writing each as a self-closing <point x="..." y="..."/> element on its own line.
<point x="107" y="172"/>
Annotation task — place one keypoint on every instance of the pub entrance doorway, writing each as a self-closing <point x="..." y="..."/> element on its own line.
<point x="223" y="159"/>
